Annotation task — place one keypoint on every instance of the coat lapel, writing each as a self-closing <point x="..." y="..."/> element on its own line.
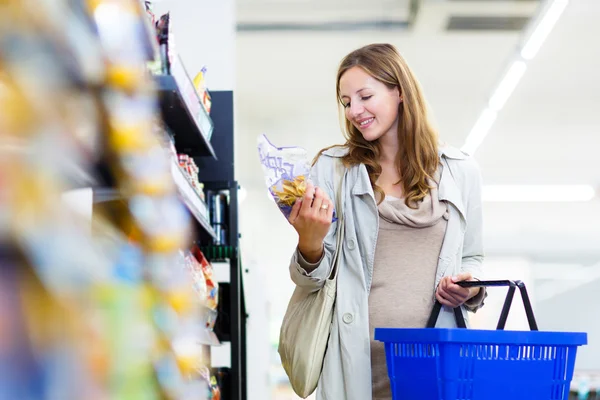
<point x="448" y="188"/>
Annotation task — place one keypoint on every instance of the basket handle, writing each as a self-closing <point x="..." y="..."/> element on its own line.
<point x="512" y="285"/>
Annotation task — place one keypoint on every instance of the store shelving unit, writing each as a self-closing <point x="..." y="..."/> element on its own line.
<point x="99" y="207"/>
<point x="218" y="176"/>
<point x="183" y="112"/>
<point x="194" y="203"/>
<point x="192" y="128"/>
<point x="209" y="139"/>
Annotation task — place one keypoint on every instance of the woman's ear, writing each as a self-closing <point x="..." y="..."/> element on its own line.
<point x="398" y="94"/>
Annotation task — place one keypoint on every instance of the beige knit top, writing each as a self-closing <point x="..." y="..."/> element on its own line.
<point x="406" y="259"/>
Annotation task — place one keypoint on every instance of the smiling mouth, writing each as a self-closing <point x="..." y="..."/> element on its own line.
<point x="366" y="122"/>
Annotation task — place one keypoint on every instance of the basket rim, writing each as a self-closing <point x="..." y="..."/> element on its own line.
<point x="479" y="336"/>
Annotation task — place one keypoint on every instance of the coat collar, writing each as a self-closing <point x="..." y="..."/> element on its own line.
<point x="449" y="189"/>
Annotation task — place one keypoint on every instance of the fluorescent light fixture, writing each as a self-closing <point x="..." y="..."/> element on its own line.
<point x="479" y="131"/>
<point x="497" y="101"/>
<point x="543" y="29"/>
<point x="538" y="193"/>
<point x="507" y="85"/>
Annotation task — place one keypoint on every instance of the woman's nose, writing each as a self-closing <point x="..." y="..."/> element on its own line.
<point x="356" y="110"/>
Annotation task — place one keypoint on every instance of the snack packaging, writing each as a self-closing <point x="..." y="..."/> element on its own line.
<point x="212" y="287"/>
<point x="287" y="172"/>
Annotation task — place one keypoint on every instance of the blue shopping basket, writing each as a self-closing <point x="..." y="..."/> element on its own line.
<point x="465" y="364"/>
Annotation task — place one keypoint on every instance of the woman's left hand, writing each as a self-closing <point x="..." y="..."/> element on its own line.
<point x="452" y="295"/>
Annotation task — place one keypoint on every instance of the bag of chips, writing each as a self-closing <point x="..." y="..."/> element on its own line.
<point x="287" y="172"/>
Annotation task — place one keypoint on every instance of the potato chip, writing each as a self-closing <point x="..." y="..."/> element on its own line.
<point x="291" y="190"/>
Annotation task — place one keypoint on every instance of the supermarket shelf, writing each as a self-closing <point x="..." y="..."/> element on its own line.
<point x="105" y="194"/>
<point x="184" y="113"/>
<point x="191" y="199"/>
<point x="208" y="338"/>
<point x="78" y="175"/>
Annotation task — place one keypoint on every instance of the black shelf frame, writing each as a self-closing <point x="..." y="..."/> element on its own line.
<point x="187" y="128"/>
<point x="204" y="231"/>
<point x="232" y="308"/>
<point x="218" y="175"/>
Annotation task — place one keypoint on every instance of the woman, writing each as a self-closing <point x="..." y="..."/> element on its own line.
<point x="413" y="223"/>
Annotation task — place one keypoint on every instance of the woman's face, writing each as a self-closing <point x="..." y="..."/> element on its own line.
<point x="370" y="105"/>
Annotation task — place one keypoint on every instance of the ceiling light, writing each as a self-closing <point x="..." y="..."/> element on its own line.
<point x="479" y="131"/>
<point x="543" y="29"/>
<point x="507" y="85"/>
<point x="538" y="193"/>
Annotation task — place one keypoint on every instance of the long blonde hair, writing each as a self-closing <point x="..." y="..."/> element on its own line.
<point x="417" y="159"/>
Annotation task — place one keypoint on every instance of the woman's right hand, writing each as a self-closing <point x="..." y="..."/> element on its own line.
<point x="311" y="218"/>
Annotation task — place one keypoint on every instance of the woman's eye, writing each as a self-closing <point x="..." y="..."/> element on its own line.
<point x="365" y="98"/>
<point x="347" y="105"/>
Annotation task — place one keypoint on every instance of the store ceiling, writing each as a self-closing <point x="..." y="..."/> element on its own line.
<point x="548" y="132"/>
<point x="311" y="15"/>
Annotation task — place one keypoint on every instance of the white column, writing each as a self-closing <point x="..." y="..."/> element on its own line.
<point x="204" y="35"/>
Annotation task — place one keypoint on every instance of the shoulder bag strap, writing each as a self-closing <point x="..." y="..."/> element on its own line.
<point x="339" y="174"/>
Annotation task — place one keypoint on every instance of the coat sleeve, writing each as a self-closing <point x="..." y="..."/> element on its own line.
<point x="473" y="252"/>
<point x="309" y="276"/>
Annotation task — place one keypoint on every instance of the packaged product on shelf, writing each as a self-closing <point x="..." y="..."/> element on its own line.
<point x="179" y="316"/>
<point x="214" y="392"/>
<point x="286" y="171"/>
<point x="197" y="274"/>
<point x="201" y="89"/>
<point x="149" y="12"/>
<point x="202" y="196"/>
<point x="165" y="42"/>
<point x="36" y="351"/>
<point x="190" y="169"/>
<point x="121" y="30"/>
<point x="209" y="319"/>
<point x="211" y="284"/>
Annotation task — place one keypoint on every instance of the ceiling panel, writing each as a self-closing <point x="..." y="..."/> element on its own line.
<point x="550" y="127"/>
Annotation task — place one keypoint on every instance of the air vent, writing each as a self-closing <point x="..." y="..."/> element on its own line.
<point x="486" y="23"/>
<point x="333" y="26"/>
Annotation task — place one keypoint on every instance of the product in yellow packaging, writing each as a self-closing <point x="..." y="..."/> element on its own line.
<point x="202" y="90"/>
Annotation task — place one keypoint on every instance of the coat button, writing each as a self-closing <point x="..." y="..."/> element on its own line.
<point x="351" y="244"/>
<point x="348" y="318"/>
